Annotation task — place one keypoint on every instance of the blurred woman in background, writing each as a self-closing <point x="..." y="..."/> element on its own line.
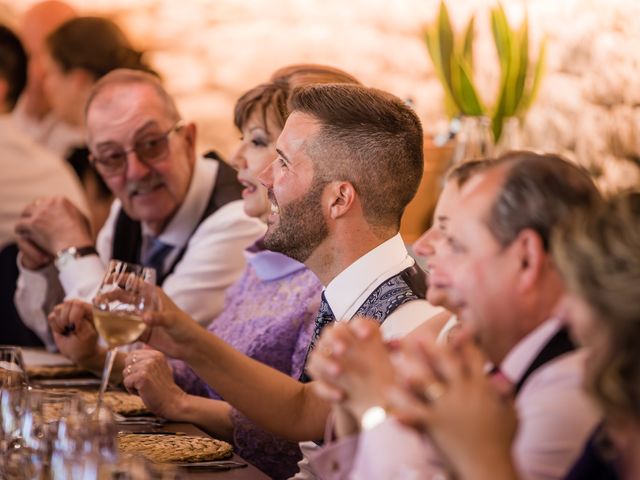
<point x="77" y="54"/>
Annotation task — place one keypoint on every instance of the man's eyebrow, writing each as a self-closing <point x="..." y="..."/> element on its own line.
<point x="148" y="124"/>
<point x="281" y="153"/>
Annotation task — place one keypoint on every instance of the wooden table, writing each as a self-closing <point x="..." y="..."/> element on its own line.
<point x="41" y="357"/>
<point x="245" y="473"/>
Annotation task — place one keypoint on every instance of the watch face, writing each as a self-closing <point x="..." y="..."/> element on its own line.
<point x="373" y="417"/>
<point x="65" y="257"/>
<point x="69" y="254"/>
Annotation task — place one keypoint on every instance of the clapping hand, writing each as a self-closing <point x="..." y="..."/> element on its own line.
<point x="445" y="391"/>
<point x="351" y="366"/>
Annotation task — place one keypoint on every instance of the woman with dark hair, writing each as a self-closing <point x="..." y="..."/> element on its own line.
<point x="78" y="53"/>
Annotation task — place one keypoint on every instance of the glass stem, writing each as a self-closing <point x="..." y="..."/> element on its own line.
<point x="106" y="373"/>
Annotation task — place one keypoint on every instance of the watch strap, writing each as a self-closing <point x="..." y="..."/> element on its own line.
<point x="69" y="254"/>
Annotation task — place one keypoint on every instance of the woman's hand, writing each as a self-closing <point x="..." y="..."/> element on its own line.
<point x="171" y="330"/>
<point x="148" y="373"/>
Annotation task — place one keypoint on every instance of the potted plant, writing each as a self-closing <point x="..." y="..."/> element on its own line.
<point x="481" y="125"/>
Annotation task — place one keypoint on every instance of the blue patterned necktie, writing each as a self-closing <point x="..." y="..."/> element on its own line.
<point x="324" y="318"/>
<point x="155" y="255"/>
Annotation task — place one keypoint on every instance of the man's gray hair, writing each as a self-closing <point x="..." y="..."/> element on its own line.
<point x="124" y="76"/>
<point x="538" y="193"/>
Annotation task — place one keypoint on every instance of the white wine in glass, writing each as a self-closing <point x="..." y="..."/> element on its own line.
<point x="125" y="294"/>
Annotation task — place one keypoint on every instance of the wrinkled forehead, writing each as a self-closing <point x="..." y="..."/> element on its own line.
<point x="121" y="111"/>
<point x="474" y="200"/>
<point x="447" y="201"/>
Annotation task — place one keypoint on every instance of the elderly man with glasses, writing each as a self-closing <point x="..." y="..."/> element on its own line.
<point x="174" y="211"/>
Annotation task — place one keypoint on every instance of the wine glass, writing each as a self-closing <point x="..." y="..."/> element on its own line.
<point x="125" y="294"/>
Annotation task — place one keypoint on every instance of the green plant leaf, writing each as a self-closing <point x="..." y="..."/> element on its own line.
<point x="432" y="41"/>
<point x="445" y="40"/>
<point x="470" y="102"/>
<point x="501" y="35"/>
<point x="521" y="71"/>
<point x="467" y="45"/>
<point x="531" y="93"/>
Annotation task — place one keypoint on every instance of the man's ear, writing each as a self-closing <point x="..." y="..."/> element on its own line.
<point x="4" y="93"/>
<point x="190" y="131"/>
<point x="81" y="78"/>
<point x="531" y="255"/>
<point x="341" y="196"/>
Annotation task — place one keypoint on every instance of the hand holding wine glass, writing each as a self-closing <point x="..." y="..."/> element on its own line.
<point x="171" y="330"/>
<point x="125" y="294"/>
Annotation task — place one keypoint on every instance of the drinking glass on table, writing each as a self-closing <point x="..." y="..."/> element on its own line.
<point x="13" y="374"/>
<point x="125" y="294"/>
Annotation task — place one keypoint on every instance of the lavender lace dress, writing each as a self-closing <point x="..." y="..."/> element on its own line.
<point x="269" y="315"/>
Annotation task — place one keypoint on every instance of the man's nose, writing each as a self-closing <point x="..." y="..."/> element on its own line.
<point x="238" y="161"/>
<point x="423" y="246"/>
<point x="136" y="168"/>
<point x="266" y="176"/>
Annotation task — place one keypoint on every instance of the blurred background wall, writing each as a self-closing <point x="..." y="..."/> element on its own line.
<point x="210" y="51"/>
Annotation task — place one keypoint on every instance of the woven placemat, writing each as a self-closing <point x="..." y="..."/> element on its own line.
<point x="173" y="448"/>
<point x="41" y="372"/>
<point x="120" y="402"/>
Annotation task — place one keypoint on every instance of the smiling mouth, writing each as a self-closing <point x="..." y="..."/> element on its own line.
<point x="275" y="209"/>
<point x="248" y="186"/>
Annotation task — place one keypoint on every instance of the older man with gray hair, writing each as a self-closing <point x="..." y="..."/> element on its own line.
<point x="174" y="211"/>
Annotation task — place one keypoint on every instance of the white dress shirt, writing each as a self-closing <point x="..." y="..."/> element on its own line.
<point x="350" y="288"/>
<point x="30" y="172"/>
<point x="347" y="292"/>
<point x="213" y="259"/>
<point x="555" y="416"/>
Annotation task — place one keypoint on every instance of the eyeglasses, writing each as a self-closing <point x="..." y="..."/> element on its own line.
<point x="149" y="151"/>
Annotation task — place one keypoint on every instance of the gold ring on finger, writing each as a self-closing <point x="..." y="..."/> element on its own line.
<point x="434" y="391"/>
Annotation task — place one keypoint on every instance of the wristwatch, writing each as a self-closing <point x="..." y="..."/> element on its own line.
<point x="67" y="255"/>
<point x="372" y="417"/>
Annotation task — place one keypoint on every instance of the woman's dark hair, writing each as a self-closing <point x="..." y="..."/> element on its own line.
<point x="97" y="46"/>
<point x="94" y="44"/>
<point x="13" y="65"/>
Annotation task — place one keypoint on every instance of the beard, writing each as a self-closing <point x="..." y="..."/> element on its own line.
<point x="301" y="226"/>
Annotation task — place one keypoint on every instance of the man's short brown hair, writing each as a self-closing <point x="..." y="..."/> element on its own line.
<point x="369" y="138"/>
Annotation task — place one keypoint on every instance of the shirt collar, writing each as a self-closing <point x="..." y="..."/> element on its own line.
<point x="366" y="273"/>
<point x="524" y="353"/>
<point x="270" y="265"/>
<point x="181" y="226"/>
